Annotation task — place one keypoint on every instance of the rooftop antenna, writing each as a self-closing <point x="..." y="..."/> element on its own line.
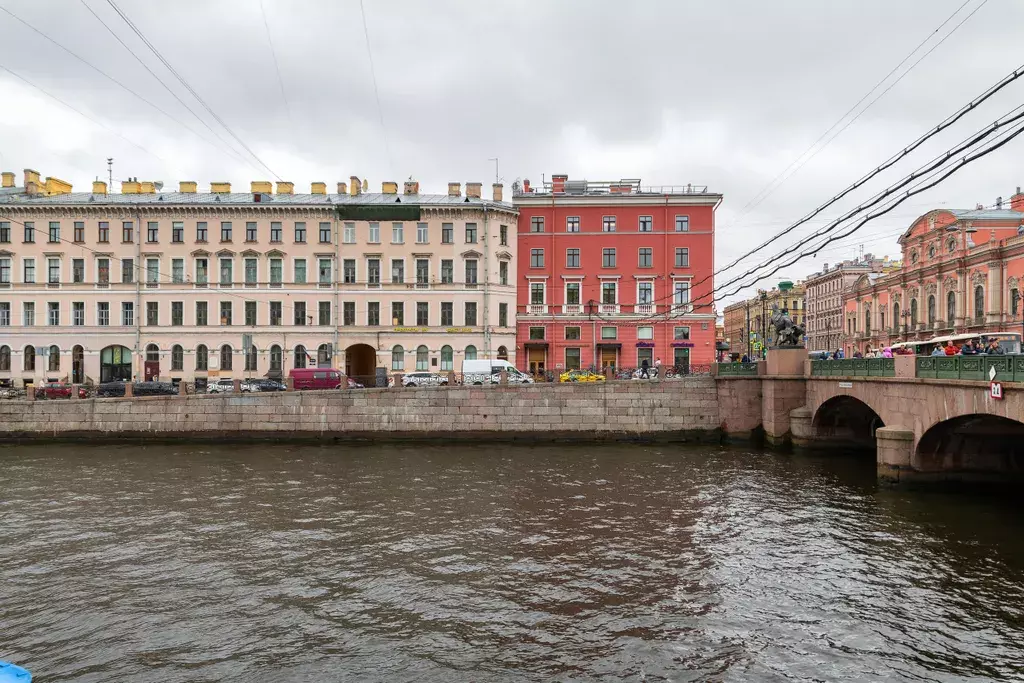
<point x="110" y="173"/>
<point x="496" y="178"/>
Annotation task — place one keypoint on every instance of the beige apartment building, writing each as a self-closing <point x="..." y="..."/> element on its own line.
<point x="186" y="285"/>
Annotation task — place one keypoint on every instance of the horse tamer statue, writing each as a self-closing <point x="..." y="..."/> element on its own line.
<point x="787" y="333"/>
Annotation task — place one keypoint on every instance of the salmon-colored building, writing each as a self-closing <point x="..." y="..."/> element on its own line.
<point x="962" y="273"/>
<point x="614" y="273"/>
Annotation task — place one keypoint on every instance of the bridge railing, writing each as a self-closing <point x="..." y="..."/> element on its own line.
<point x="737" y="369"/>
<point x="854" y="367"/>
<point x="1008" y="368"/>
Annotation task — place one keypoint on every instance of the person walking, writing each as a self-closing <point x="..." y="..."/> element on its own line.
<point x="644" y="374"/>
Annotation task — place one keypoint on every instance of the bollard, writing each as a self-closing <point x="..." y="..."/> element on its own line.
<point x="289" y="384"/>
<point x="503" y="377"/>
<point x="30" y="392"/>
<point x="182" y="388"/>
<point x="398" y="379"/>
<point x="74" y="391"/>
<point x="451" y="378"/>
<point x="343" y="383"/>
<point x="236" y="386"/>
<point x="609" y="373"/>
<point x="129" y="389"/>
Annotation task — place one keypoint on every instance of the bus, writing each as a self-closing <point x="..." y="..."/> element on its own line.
<point x="1009" y="341"/>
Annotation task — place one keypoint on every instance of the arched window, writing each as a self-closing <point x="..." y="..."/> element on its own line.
<point x="896" y="314"/>
<point x="5" y="358"/>
<point x="225" y="357"/>
<point x="177" y="358"/>
<point x="447" y="359"/>
<point x="950" y="308"/>
<point x="202" y="357"/>
<point x="931" y="308"/>
<point x="300" y="356"/>
<point x="275" y="358"/>
<point x="153" y="353"/>
<point x="250" y="359"/>
<point x="502" y="353"/>
<point x="913" y="312"/>
<point x="867" y="319"/>
<point x="979" y="302"/>
<point x="422" y="358"/>
<point x="470" y="352"/>
<point x="1014" y="301"/>
<point x="397" y="357"/>
<point x="323" y="355"/>
<point x="29" y="359"/>
<point x="53" y="360"/>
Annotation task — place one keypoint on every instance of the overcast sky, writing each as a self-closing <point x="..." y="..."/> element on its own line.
<point x="726" y="93"/>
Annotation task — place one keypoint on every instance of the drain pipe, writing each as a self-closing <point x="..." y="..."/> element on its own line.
<point x="138" y="293"/>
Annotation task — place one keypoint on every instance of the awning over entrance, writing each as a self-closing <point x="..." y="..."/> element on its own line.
<point x="535" y="345"/>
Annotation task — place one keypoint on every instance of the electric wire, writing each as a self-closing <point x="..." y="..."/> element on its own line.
<point x="277" y="68"/>
<point x="376" y="91"/>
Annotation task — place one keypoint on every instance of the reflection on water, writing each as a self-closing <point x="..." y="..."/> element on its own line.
<point x="621" y="562"/>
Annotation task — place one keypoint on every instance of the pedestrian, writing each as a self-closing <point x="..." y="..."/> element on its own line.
<point x="887" y="352"/>
<point x="657" y="366"/>
<point x="951" y="349"/>
<point x="937" y="351"/>
<point x="969" y="349"/>
<point x="644" y="374"/>
<point x="995" y="349"/>
<point x="745" y="359"/>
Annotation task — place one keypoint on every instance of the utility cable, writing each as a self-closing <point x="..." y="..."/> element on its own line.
<point x="277" y="68"/>
<point x="376" y="91"/>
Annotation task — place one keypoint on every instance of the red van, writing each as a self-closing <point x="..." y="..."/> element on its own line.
<point x="315" y="378"/>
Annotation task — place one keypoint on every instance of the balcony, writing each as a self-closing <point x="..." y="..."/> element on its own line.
<point x="682" y="308"/>
<point x="644" y="309"/>
<point x="572" y="309"/>
<point x="537" y="309"/>
<point x="608" y="309"/>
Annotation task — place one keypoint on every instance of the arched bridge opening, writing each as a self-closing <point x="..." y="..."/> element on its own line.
<point x="846" y="422"/>
<point x="989" y="446"/>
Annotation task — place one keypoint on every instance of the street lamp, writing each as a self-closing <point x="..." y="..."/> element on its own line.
<point x="906" y="331"/>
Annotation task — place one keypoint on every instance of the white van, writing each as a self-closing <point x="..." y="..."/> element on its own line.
<point x="484" y="371"/>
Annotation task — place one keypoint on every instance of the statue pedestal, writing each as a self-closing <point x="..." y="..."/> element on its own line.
<point x="786" y="361"/>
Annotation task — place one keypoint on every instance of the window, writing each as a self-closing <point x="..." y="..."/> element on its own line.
<point x="348" y="234"/>
<point x="397" y="313"/>
<point x="646" y="258"/>
<point x="30" y="232"/>
<point x="250" y="313"/>
<point x="537" y="333"/>
<point x="102" y="313"/>
<point x="645" y="292"/>
<point x="979" y="302"/>
<point x="536" y="258"/>
<point x="5" y="238"/>
<point x="447" y="233"/>
<point x="682" y="257"/>
<point x="152" y="313"/>
<point x="422" y="271"/>
<point x="572" y="333"/>
<point x="373" y="313"/>
<point x="572" y="293"/>
<point x="177" y="313"/>
<point x="421" y="233"/>
<point x="5" y="358"/>
<point x="127" y="313"/>
<point x="325" y="233"/>
<point x="681" y="333"/>
<point x="201" y="231"/>
<point x="276" y="272"/>
<point x="103" y="232"/>
<point x="681" y="293"/>
<point x="397" y="358"/>
<point x="470" y="314"/>
<point x="275" y="231"/>
<point x="470" y="353"/>
<point x="300" y="233"/>
<point x="78" y="270"/>
<point x="5" y="271"/>
<point x="300" y="356"/>
<point x="502" y="315"/>
<point x="645" y="332"/>
<point x="54" y="359"/>
<point x="608" y="332"/>
<point x="572" y="359"/>
<point x="28" y="313"/>
<point x="29" y="359"/>
<point x="503" y="235"/>
<point x="226" y="355"/>
<point x="447" y="316"/>
<point x="572" y="258"/>
<point x="5" y="314"/>
<point x="682" y="224"/>
<point x="250" y="272"/>
<point x="127" y="270"/>
<point x="250" y="358"/>
<point x="646" y="223"/>
<point x="225" y="231"/>
<point x="537" y="224"/>
<point x="178" y="271"/>
<point x="29" y="270"/>
<point x="470" y="271"/>
<point x="397" y="271"/>
<point x="931" y="310"/>
<point x="470" y="233"/>
<point x="177" y="358"/>
<point x="447" y="272"/>
<point x="299" y="312"/>
<point x="397" y="233"/>
<point x="572" y="223"/>
<point x="503" y="272"/>
<point x="609" y="292"/>
<point x="79" y="234"/>
<point x="373" y="271"/>
<point x="300" y="271"/>
<point x="177" y="232"/>
<point x="202" y="272"/>
<point x="53" y="271"/>
<point x="276" y="358"/>
<point x="226" y="311"/>
<point x="1014" y="301"/>
<point x="608" y="257"/>
<point x="152" y="271"/>
<point x="202" y="314"/>
<point x="152" y="232"/>
<point x="53" y="314"/>
<point x="422" y="358"/>
<point x="348" y="270"/>
<point x="323" y="313"/>
<point x="608" y="224"/>
<point x="202" y="357"/>
<point x="348" y="313"/>
<point x="447" y="358"/>
<point x="226" y="272"/>
<point x="537" y="293"/>
<point x="54" y="231"/>
<point x="913" y="312"/>
<point x="374" y="237"/>
<point x="275" y="313"/>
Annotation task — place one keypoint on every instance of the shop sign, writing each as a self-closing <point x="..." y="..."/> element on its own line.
<point x="682" y="344"/>
<point x="645" y="345"/>
<point x="411" y="329"/>
<point x="458" y="330"/>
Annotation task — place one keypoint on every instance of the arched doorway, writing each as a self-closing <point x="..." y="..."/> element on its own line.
<point x="77" y="364"/>
<point x="979" y="444"/>
<point x="151" y="370"/>
<point x="361" y="364"/>
<point x="502" y="353"/>
<point x="116" y="364"/>
<point x="846" y="422"/>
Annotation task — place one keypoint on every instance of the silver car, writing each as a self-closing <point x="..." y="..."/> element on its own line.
<point x="221" y="386"/>
<point x="424" y="379"/>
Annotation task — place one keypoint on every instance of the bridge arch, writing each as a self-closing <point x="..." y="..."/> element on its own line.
<point x="846" y="421"/>
<point x="979" y="443"/>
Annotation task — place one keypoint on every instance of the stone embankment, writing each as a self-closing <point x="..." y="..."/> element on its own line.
<point x="677" y="409"/>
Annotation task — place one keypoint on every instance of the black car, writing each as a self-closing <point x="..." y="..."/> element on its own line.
<point x="113" y="389"/>
<point x="110" y="389"/>
<point x="249" y="385"/>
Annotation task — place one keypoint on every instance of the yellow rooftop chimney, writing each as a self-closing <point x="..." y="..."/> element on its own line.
<point x="318" y="188"/>
<point x="220" y="188"/>
<point x="99" y="187"/>
<point x="187" y="187"/>
<point x="285" y="187"/>
<point x="264" y="186"/>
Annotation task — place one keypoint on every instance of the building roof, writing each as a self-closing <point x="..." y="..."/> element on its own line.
<point x="987" y="214"/>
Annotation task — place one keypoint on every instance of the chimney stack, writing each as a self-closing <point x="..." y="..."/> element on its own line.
<point x="147" y="187"/>
<point x="473" y="190"/>
<point x="1017" y="201"/>
<point x="497" y="191"/>
<point x="412" y="187"/>
<point x="99" y="187"/>
<point x="355" y="187"/>
<point x="285" y="187"/>
<point x="342" y="188"/>
<point x="130" y="186"/>
<point x="8" y="178"/>
<point x="526" y="186"/>
<point x="220" y="188"/>
<point x="261" y="187"/>
<point x="389" y="187"/>
<point x="454" y="189"/>
<point x="558" y="183"/>
<point x="187" y="187"/>
<point x="318" y="188"/>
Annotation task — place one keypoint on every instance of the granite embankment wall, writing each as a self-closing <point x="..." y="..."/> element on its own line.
<point x="679" y="409"/>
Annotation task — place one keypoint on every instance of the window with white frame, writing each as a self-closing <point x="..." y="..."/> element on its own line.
<point x="348" y="235"/>
<point x="609" y="292"/>
<point x="682" y="257"/>
<point x="645" y="332"/>
<point x="422" y="233"/>
<point x="681" y="293"/>
<point x="646" y="223"/>
<point x="537" y="293"/>
<point x="608" y="224"/>
<point x="645" y="258"/>
<point x="682" y="224"/>
<point x="645" y="292"/>
<point x="397" y="233"/>
<point x="609" y="332"/>
<point x="572" y="293"/>
<point x="537" y="224"/>
<point x="536" y="258"/>
<point x="572" y="258"/>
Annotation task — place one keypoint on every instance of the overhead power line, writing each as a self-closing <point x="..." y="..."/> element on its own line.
<point x="277" y="68"/>
<point x="188" y="87"/>
<point x="376" y="92"/>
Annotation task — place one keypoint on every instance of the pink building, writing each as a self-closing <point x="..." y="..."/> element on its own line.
<point x="173" y="285"/>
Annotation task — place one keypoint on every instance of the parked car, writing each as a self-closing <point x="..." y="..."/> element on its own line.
<point x="11" y="392"/>
<point x="58" y="390"/>
<point x="489" y="371"/>
<point x="221" y="386"/>
<point x="110" y="389"/>
<point x="154" y="389"/>
<point x="424" y="379"/>
<point x="262" y="384"/>
<point x="315" y="378"/>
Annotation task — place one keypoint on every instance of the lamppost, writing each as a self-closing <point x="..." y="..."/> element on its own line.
<point x="828" y="335"/>
<point x="764" y="322"/>
<point x="906" y="329"/>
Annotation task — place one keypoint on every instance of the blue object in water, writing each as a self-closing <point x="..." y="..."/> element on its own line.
<point x="12" y="673"/>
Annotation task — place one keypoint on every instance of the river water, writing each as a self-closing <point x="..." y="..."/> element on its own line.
<point x="497" y="563"/>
